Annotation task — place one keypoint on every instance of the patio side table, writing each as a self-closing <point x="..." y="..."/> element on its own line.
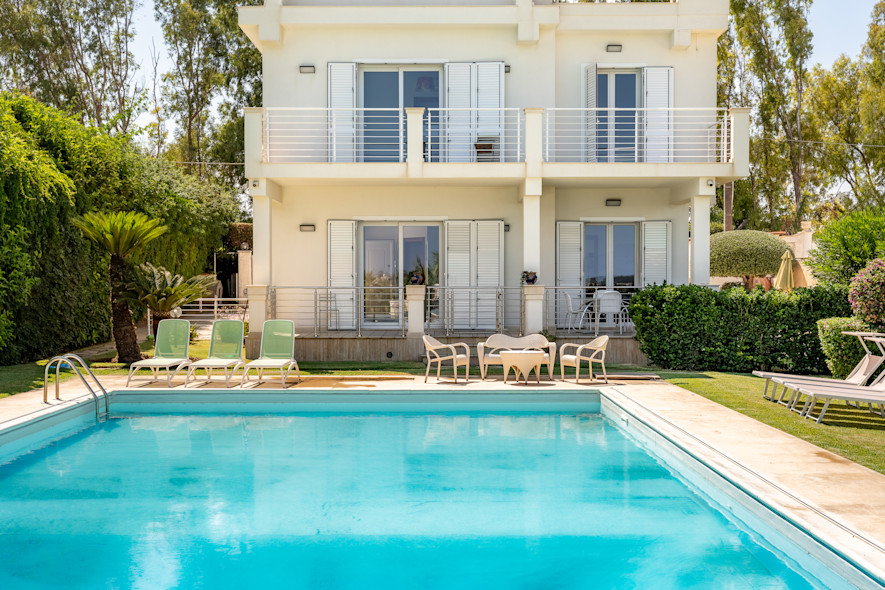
<point x="522" y="362"/>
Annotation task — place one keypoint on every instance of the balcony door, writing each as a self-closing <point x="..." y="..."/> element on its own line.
<point x="395" y="255"/>
<point x="385" y="93"/>
<point x="617" y="128"/>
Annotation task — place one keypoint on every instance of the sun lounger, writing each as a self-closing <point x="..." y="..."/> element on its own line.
<point x="225" y="352"/>
<point x="858" y="376"/>
<point x="873" y="395"/>
<point x="277" y="352"/>
<point x="170" y="352"/>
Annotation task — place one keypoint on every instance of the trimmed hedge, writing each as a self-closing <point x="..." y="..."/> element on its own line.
<point x="842" y="352"/>
<point x="745" y="253"/>
<point x="690" y="327"/>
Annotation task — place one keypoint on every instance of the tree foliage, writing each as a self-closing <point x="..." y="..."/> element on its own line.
<point x="74" y="56"/>
<point x="745" y="253"/>
<point x="54" y="290"/>
<point x="845" y="246"/>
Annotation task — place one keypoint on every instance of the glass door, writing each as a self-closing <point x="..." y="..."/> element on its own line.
<point x="611" y="260"/>
<point x="617" y="97"/>
<point x="395" y="255"/>
<point x="398" y="87"/>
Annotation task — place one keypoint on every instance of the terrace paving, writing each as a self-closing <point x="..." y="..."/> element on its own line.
<point x="828" y="495"/>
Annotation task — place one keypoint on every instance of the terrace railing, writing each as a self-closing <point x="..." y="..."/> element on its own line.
<point x="474" y="135"/>
<point x="573" y="309"/>
<point x="361" y="311"/>
<point x="617" y="135"/>
<point x="451" y="310"/>
<point x="204" y="311"/>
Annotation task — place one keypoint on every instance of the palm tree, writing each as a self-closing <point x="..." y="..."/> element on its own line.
<point x="121" y="234"/>
<point x="163" y="291"/>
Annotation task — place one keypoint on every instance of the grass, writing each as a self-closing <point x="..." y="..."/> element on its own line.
<point x="854" y="434"/>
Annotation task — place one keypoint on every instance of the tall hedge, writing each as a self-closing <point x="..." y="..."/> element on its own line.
<point x="54" y="294"/>
<point x="694" y="328"/>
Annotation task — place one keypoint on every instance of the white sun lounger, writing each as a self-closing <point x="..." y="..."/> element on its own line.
<point x="858" y="376"/>
<point x="170" y="352"/>
<point x="225" y="352"/>
<point x="874" y="395"/>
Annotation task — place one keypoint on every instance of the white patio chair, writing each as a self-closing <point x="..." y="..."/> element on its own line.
<point x="438" y="353"/>
<point x="592" y="352"/>
<point x="572" y="314"/>
<point x="609" y="303"/>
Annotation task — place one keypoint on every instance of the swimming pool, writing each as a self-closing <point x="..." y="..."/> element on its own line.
<point x="347" y="497"/>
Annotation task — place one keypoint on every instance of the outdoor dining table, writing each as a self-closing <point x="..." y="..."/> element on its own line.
<point x="522" y="362"/>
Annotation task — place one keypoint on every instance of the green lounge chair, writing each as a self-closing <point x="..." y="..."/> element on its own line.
<point x="225" y="352"/>
<point x="170" y="351"/>
<point x="277" y="352"/>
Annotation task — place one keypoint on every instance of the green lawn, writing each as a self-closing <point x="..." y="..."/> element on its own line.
<point x="854" y="434"/>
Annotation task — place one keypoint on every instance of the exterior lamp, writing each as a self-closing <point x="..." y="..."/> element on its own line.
<point x="307" y="227"/>
<point x="614" y="47"/>
<point x="307" y="69"/>
<point x="613" y="202"/>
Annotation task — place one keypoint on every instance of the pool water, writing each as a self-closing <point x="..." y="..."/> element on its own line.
<point x="464" y="500"/>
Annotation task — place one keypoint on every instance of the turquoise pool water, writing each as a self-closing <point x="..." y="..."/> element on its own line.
<point x="448" y="500"/>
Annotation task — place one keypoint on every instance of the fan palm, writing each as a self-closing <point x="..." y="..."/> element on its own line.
<point x="163" y="291"/>
<point x="121" y="234"/>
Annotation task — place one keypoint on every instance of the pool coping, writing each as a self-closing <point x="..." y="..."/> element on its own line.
<point x="846" y="522"/>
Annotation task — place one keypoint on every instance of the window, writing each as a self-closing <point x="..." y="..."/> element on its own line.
<point x="385" y="92"/>
<point x="611" y="255"/>
<point x="617" y="127"/>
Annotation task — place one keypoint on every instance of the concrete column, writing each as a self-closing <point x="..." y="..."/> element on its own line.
<point x="740" y="141"/>
<point x="534" y="308"/>
<point x="534" y="150"/>
<point x="415" y="137"/>
<point x="253" y="141"/>
<point x="415" y="306"/>
<point x="531" y="233"/>
<point x="700" y="239"/>
<point x="261" y="238"/>
<point x="244" y="271"/>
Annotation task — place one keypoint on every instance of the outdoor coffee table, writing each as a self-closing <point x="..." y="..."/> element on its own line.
<point x="522" y="362"/>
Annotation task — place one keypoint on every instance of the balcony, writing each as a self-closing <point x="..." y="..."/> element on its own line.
<point x="501" y="145"/>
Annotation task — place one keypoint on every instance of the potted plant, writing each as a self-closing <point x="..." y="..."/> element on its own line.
<point x="529" y="277"/>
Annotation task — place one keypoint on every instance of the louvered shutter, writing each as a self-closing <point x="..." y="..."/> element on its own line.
<point x="490" y="123"/>
<point x="342" y="303"/>
<point x="656" y="267"/>
<point x="569" y="270"/>
<point x="456" y="126"/>
<point x="342" y="121"/>
<point x="489" y="271"/>
<point x="657" y="83"/>
<point x="590" y="130"/>
<point x="458" y="273"/>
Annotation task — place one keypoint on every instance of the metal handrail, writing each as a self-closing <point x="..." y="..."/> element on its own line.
<point x="71" y="360"/>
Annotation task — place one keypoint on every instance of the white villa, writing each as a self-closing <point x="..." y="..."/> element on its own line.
<point x="414" y="157"/>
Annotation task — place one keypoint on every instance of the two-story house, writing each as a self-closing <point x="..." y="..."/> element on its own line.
<point x="414" y="157"/>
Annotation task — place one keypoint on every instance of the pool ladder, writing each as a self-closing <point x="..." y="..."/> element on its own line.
<point x="72" y="360"/>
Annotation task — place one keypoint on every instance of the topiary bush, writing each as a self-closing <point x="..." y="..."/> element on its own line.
<point x="842" y="352"/>
<point x="843" y="247"/>
<point x="745" y="253"/>
<point x="867" y="293"/>
<point x="694" y="328"/>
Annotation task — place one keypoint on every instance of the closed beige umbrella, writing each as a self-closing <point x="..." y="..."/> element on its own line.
<point x="784" y="278"/>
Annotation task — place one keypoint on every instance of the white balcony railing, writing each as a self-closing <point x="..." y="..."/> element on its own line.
<point x="474" y="135"/>
<point x="334" y="135"/>
<point x="636" y="135"/>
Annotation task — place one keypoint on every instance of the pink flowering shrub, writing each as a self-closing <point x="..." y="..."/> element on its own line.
<point x="867" y="293"/>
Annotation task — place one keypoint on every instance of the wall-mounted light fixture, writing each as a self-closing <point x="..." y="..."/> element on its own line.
<point x="254" y="184"/>
<point x="307" y="227"/>
<point x="506" y="68"/>
<point x="307" y="69"/>
<point x="506" y="227"/>
<point x="614" y="47"/>
<point x="613" y="202"/>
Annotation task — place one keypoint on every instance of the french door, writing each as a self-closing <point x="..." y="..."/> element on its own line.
<point x="617" y="123"/>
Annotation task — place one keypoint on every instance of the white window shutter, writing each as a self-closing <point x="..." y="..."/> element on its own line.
<point x="342" y="114"/>
<point x="656" y="239"/>
<point x="569" y="270"/>
<point x="456" y="126"/>
<point x="590" y="115"/>
<point x="490" y="95"/>
<point x="657" y="83"/>
<point x="489" y="271"/>
<point x="459" y="273"/>
<point x="342" y="273"/>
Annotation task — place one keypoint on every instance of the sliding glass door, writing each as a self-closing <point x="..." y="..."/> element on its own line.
<point x="617" y="98"/>
<point x="611" y="255"/>
<point x="395" y="255"/>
